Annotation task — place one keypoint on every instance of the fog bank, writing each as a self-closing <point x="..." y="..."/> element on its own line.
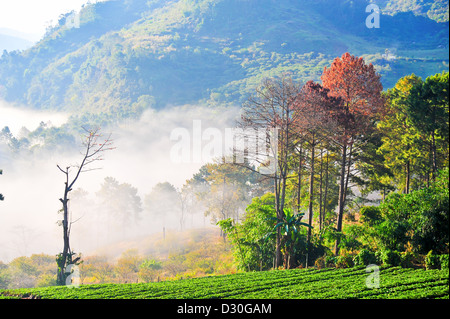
<point x="32" y="185"/>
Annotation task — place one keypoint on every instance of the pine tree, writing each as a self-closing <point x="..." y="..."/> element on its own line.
<point x="359" y="87"/>
<point x="427" y="107"/>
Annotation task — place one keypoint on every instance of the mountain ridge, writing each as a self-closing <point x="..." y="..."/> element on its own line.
<point x="157" y="53"/>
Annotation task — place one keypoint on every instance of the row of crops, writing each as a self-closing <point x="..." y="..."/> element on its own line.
<point x="394" y="282"/>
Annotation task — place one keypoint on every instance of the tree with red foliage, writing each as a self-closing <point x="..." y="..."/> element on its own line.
<point x="359" y="87"/>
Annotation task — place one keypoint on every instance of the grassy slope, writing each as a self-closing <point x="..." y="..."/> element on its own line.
<point x="395" y="283"/>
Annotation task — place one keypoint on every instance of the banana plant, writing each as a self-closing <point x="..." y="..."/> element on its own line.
<point x="290" y="227"/>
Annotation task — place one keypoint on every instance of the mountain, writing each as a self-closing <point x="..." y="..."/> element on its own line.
<point x="128" y="55"/>
<point x="11" y="40"/>
<point x="436" y="10"/>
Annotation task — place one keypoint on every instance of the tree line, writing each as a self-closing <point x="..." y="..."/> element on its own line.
<point x="339" y="142"/>
<point x="117" y="211"/>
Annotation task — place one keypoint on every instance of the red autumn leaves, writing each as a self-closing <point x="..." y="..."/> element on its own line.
<point x="341" y="111"/>
<point x="345" y="104"/>
<point x="337" y="114"/>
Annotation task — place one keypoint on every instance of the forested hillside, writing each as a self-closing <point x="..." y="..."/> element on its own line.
<point x="130" y="55"/>
<point x="436" y="10"/>
<point x="302" y="136"/>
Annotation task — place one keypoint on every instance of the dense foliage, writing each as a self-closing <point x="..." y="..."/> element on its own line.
<point x="254" y="249"/>
<point x="410" y="218"/>
<point x="419" y="219"/>
<point x="436" y="10"/>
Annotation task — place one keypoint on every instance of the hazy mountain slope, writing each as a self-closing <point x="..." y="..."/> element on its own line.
<point x="433" y="9"/>
<point x="129" y="55"/>
<point x="9" y="43"/>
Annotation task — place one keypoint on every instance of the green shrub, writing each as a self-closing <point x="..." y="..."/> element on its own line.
<point x="407" y="259"/>
<point x="444" y="261"/>
<point x="46" y="280"/>
<point x="391" y="234"/>
<point x="432" y="261"/>
<point x="345" y="261"/>
<point x="325" y="262"/>
<point x="315" y="251"/>
<point x="391" y="257"/>
<point x="420" y="217"/>
<point x="330" y="261"/>
<point x="365" y="257"/>
<point x="320" y="262"/>
<point x="370" y="215"/>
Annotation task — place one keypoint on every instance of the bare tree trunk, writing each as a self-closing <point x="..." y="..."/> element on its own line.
<point x="325" y="195"/>
<point x="311" y="199"/>
<point x="341" y="197"/>
<point x="320" y="191"/>
<point x="93" y="151"/>
<point x="272" y="108"/>
<point x="343" y="190"/>
<point x="349" y="165"/>
<point x="281" y="214"/>
<point x="299" y="188"/>
<point x="408" y="173"/>
<point x="430" y="159"/>
<point x="62" y="261"/>
<point x="278" y="237"/>
<point x="433" y="149"/>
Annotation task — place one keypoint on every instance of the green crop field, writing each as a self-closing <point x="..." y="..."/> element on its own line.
<point x="394" y="283"/>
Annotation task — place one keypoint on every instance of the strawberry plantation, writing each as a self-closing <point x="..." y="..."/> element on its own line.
<point x="394" y="283"/>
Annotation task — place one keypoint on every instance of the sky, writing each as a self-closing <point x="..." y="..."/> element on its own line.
<point x="33" y="16"/>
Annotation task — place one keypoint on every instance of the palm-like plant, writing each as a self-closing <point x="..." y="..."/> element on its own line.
<point x="290" y="227"/>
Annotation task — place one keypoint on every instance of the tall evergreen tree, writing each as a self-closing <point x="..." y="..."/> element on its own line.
<point x="427" y="107"/>
<point x="359" y="87"/>
<point x="402" y="146"/>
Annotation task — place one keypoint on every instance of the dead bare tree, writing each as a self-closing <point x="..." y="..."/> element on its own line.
<point x="94" y="145"/>
<point x="272" y="107"/>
